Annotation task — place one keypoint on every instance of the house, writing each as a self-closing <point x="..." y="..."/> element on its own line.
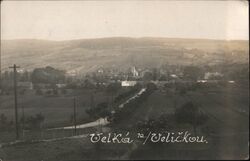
<point x="61" y="85"/>
<point x="128" y="83"/>
<point x="100" y="71"/>
<point x="173" y="76"/>
<point x="211" y="75"/>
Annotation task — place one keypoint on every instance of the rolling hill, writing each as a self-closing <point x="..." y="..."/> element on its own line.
<point x="86" y="55"/>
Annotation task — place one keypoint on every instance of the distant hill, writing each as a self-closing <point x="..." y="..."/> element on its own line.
<point x="86" y="55"/>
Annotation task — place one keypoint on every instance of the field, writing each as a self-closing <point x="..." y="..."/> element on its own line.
<point x="56" y="109"/>
<point x="226" y="106"/>
<point x="228" y="111"/>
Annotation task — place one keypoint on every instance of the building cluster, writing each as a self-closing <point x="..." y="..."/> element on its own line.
<point x="102" y="77"/>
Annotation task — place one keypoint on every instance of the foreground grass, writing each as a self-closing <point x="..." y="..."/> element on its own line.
<point x="228" y="138"/>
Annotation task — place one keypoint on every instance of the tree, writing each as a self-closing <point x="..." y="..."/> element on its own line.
<point x="55" y="92"/>
<point x="160" y="124"/>
<point x="25" y="76"/>
<point x="192" y="73"/>
<point x="101" y="110"/>
<point x="88" y="84"/>
<point x="148" y="76"/>
<point x="35" y="122"/>
<point x="163" y="78"/>
<point x="39" y="92"/>
<point x="47" y="75"/>
<point x="151" y="87"/>
<point x="48" y="92"/>
<point x="112" y="89"/>
<point x="128" y="93"/>
<point x="191" y="114"/>
<point x="155" y="74"/>
<point x="64" y="91"/>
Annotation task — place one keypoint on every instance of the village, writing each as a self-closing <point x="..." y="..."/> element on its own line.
<point x="29" y="81"/>
<point x="56" y="105"/>
<point x="127" y="80"/>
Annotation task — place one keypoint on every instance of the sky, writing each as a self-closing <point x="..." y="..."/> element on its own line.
<point x="65" y="20"/>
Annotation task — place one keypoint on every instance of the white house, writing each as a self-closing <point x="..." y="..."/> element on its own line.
<point x="210" y="75"/>
<point x="61" y="85"/>
<point x="128" y="83"/>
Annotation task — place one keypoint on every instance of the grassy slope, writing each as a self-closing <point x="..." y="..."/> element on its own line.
<point x="56" y="109"/>
<point x="225" y="121"/>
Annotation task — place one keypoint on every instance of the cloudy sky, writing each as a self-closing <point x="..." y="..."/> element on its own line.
<point x="62" y="20"/>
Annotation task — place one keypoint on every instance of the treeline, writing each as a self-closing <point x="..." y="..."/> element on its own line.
<point x="104" y="109"/>
<point x="189" y="116"/>
<point x="128" y="93"/>
<point x="116" y="114"/>
<point x="122" y="113"/>
<point x="38" y="75"/>
<point x="47" y="75"/>
<point x="100" y="111"/>
<point x="31" y="122"/>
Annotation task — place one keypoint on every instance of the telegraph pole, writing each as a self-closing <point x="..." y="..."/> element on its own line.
<point x="75" y="114"/>
<point x="0" y="71"/>
<point x="15" y="95"/>
<point x="23" y="120"/>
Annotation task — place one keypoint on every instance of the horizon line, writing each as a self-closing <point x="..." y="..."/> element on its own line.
<point x="143" y="37"/>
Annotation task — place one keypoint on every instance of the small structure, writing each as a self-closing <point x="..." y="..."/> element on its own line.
<point x="100" y="70"/>
<point x="128" y="83"/>
<point x="231" y="81"/>
<point x="201" y="81"/>
<point x="173" y="76"/>
<point x="211" y="75"/>
<point x="61" y="85"/>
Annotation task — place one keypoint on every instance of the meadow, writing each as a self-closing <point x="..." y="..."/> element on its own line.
<point x="227" y="129"/>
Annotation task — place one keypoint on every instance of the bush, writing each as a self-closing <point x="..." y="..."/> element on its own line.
<point x="39" y="92"/>
<point x="127" y="93"/>
<point x="34" y="122"/>
<point x="64" y="91"/>
<point x="55" y="92"/>
<point x="190" y="113"/>
<point x="159" y="125"/>
<point x="128" y="108"/>
<point x="101" y="110"/>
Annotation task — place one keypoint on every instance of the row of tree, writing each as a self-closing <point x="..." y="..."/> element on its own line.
<point x="29" y="122"/>
<point x="122" y="113"/>
<point x="189" y="113"/>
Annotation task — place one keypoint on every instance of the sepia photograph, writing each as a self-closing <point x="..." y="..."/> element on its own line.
<point x="124" y="80"/>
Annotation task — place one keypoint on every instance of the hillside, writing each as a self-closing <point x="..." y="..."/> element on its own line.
<point x="89" y="54"/>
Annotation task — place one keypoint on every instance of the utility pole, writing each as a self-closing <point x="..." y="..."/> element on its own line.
<point x="0" y="64"/>
<point x="23" y="120"/>
<point x="15" y="95"/>
<point x="75" y="114"/>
